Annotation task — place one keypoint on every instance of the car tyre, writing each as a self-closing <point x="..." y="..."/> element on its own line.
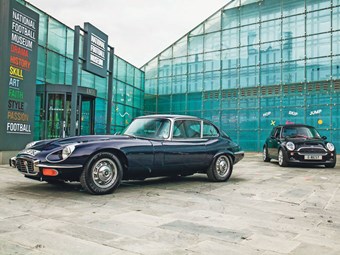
<point x="266" y="158"/>
<point x="330" y="165"/>
<point x="102" y="174"/>
<point x="221" y="169"/>
<point x="282" y="159"/>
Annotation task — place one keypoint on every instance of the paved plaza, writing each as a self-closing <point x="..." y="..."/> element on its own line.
<point x="263" y="209"/>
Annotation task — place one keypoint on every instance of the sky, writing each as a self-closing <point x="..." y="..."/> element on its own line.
<point x="137" y="29"/>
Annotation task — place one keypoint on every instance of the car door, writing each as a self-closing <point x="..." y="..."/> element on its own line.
<point x="274" y="142"/>
<point x="186" y="151"/>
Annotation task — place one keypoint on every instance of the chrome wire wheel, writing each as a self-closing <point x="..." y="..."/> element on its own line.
<point x="222" y="166"/>
<point x="104" y="173"/>
<point x="264" y="154"/>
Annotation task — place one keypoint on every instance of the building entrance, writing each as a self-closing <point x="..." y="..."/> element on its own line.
<point x="53" y="119"/>
<point x="59" y="115"/>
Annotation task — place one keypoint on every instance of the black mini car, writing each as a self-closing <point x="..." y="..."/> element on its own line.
<point x="154" y="145"/>
<point x="296" y="143"/>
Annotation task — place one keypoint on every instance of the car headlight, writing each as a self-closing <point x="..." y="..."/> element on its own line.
<point x="290" y="146"/>
<point x="31" y="144"/>
<point x="67" y="151"/>
<point x="330" y="146"/>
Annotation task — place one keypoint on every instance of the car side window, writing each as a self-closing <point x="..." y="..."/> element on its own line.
<point x="209" y="130"/>
<point x="277" y="133"/>
<point x="186" y="129"/>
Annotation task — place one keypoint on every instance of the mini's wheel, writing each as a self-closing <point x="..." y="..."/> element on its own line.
<point x="266" y="158"/>
<point x="330" y="165"/>
<point x="282" y="159"/>
<point x="102" y="174"/>
<point x="221" y="169"/>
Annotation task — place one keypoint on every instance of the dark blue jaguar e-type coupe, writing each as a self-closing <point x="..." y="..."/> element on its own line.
<point x="155" y="145"/>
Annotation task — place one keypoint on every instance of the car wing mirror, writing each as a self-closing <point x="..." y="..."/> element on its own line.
<point x="324" y="137"/>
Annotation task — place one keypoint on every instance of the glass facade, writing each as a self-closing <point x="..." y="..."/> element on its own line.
<point x="253" y="65"/>
<point x="54" y="79"/>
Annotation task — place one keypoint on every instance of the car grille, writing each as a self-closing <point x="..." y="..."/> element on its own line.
<point x="26" y="166"/>
<point x="312" y="150"/>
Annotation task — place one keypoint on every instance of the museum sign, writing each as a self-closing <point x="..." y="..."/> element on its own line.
<point x="18" y="67"/>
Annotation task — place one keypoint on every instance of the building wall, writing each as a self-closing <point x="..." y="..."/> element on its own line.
<point x="55" y="60"/>
<point x="253" y="65"/>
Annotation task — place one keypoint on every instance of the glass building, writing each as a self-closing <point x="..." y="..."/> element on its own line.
<point x="54" y="79"/>
<point x="252" y="65"/>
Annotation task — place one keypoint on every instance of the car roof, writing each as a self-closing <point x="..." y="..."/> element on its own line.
<point x="169" y="116"/>
<point x="295" y="125"/>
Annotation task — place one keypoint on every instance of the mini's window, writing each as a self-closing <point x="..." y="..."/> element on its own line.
<point x="209" y="130"/>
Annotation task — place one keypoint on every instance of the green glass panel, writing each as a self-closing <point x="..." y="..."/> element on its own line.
<point x="249" y="14"/>
<point x="313" y="5"/>
<point x="87" y="79"/>
<point x="130" y="74"/>
<point x="163" y="104"/>
<point x="41" y="67"/>
<point x="137" y="98"/>
<point x="270" y="10"/>
<point x="229" y="120"/>
<point x="212" y="80"/>
<point x="230" y="78"/>
<point x="138" y="79"/>
<point x="195" y="63"/>
<point x="178" y="103"/>
<point x="101" y="87"/>
<point x="270" y="52"/>
<point x="194" y="102"/>
<point x="165" y="68"/>
<point x="318" y="45"/>
<point x="318" y="69"/>
<point x="319" y="116"/>
<point x="269" y="117"/>
<point x="230" y="18"/>
<point x="151" y="86"/>
<point x="42" y="39"/>
<point x="180" y="48"/>
<point x="249" y="56"/>
<point x="150" y="103"/>
<point x="164" y="85"/>
<point x="55" y="72"/>
<point x="270" y="74"/>
<point x="318" y="22"/>
<point x="68" y="72"/>
<point x="69" y="43"/>
<point x="249" y="35"/>
<point x="291" y="7"/>
<point x="129" y="95"/>
<point x="212" y="42"/>
<point x="180" y="66"/>
<point x="195" y="45"/>
<point x="212" y="61"/>
<point x="179" y="84"/>
<point x="293" y="49"/>
<point x="151" y="69"/>
<point x="213" y="23"/>
<point x="293" y="72"/>
<point x="121" y="91"/>
<point x="336" y="68"/>
<point x="166" y="54"/>
<point x="122" y="70"/>
<point x="197" y="31"/>
<point x="195" y="82"/>
<point x="270" y="31"/>
<point x="230" y="58"/>
<point x="230" y="38"/>
<point x="249" y="77"/>
<point x="56" y="36"/>
<point x="293" y="26"/>
<point x="336" y="18"/>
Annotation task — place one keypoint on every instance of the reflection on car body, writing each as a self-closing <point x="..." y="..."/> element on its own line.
<point x="301" y="144"/>
<point x="151" y="146"/>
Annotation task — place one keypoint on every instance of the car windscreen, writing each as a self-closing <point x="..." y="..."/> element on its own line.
<point x="149" y="128"/>
<point x="300" y="132"/>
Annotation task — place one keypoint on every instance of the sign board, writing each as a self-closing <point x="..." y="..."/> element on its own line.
<point x="95" y="50"/>
<point x="18" y="67"/>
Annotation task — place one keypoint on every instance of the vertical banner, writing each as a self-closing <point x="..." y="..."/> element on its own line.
<point x="95" y="50"/>
<point x="18" y="68"/>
